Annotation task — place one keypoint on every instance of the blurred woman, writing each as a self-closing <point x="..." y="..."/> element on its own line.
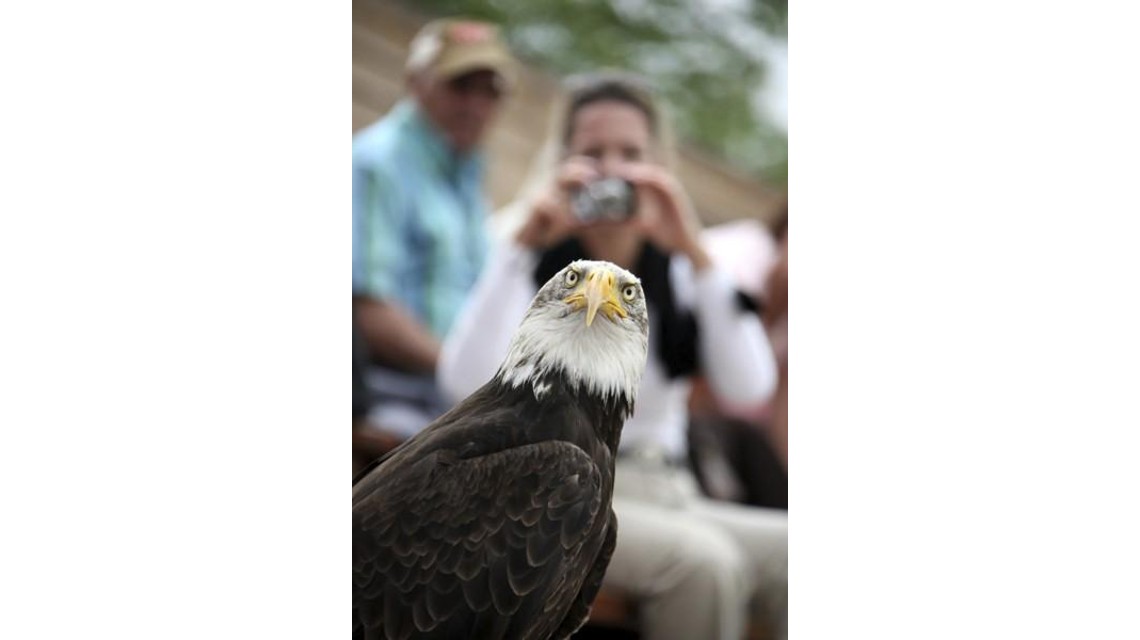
<point x="694" y="564"/>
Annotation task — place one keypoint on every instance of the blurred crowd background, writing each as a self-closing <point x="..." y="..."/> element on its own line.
<point x="719" y="68"/>
<point x="728" y="95"/>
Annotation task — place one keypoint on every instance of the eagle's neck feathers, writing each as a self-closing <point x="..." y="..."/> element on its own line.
<point x="555" y="346"/>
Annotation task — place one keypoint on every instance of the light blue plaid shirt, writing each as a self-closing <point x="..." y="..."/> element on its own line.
<point x="418" y="217"/>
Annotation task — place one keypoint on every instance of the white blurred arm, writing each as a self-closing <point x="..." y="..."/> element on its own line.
<point x="736" y="357"/>
<point x="481" y="335"/>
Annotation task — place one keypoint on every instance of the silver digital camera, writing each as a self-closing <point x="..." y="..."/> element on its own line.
<point x="605" y="200"/>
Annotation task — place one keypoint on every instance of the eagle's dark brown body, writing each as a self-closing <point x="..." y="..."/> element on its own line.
<point x="494" y="522"/>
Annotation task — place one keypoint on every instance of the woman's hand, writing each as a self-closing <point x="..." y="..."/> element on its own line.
<point x="666" y="214"/>
<point x="550" y="218"/>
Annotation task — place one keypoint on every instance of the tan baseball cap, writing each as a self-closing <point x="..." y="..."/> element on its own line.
<point x="451" y="47"/>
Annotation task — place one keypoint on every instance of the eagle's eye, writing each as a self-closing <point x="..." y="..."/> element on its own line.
<point x="571" y="278"/>
<point x="629" y="292"/>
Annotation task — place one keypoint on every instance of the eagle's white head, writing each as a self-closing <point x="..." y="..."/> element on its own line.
<point x="588" y="323"/>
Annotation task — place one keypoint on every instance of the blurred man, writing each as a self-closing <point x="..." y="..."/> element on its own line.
<point x="419" y="211"/>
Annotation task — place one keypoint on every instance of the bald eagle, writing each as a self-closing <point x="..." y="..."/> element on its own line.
<point x="495" y="521"/>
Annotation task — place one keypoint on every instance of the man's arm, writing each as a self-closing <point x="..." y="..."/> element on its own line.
<point x="394" y="337"/>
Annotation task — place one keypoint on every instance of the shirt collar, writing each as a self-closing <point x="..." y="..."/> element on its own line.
<point x="436" y="149"/>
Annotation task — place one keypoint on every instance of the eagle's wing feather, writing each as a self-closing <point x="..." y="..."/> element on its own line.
<point x="580" y="609"/>
<point x="453" y="547"/>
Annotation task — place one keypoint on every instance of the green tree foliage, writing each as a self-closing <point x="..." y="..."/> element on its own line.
<point x="706" y="57"/>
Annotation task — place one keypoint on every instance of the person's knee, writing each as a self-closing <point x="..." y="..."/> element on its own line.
<point x="709" y="560"/>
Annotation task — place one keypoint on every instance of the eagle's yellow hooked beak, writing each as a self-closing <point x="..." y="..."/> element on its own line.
<point x="598" y="293"/>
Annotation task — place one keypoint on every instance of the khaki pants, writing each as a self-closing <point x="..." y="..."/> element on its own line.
<point x="699" y="567"/>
